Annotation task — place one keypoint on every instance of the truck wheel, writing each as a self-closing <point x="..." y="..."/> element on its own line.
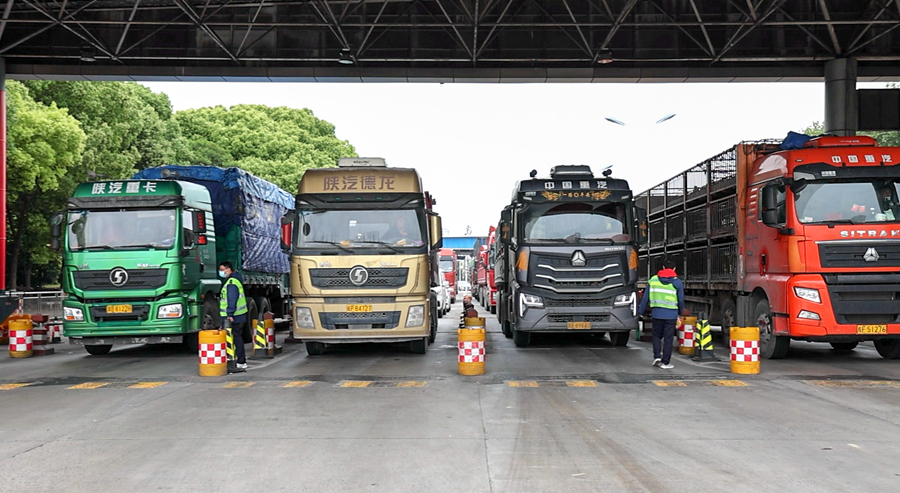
<point x="522" y="339"/>
<point x="432" y="335"/>
<point x="844" y="346"/>
<point x="248" y="328"/>
<point x="494" y="309"/>
<point x="888" y="348"/>
<point x="98" y="349"/>
<point x="262" y="303"/>
<point x="419" y="346"/>
<point x="211" y="319"/>
<point x="507" y="330"/>
<point x="315" y="348"/>
<point x="729" y="317"/>
<point x="619" y="339"/>
<point x="770" y="345"/>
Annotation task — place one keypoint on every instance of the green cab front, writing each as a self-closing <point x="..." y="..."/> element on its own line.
<point x="139" y="263"/>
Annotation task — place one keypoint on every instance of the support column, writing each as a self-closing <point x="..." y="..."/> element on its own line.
<point x="841" y="110"/>
<point x="2" y="175"/>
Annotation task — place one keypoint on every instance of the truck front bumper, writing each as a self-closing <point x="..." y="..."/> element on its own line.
<point x="600" y="318"/>
<point x="333" y="322"/>
<point x="142" y="322"/>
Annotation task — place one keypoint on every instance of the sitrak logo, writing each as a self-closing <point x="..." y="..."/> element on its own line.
<point x="118" y="277"/>
<point x="359" y="275"/>
<point x="578" y="259"/>
<point x="871" y="255"/>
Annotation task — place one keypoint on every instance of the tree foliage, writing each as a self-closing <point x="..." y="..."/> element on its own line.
<point x="276" y="144"/>
<point x="885" y="138"/>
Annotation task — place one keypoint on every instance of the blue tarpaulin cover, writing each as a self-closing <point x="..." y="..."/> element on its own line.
<point x="239" y="199"/>
<point x="794" y="140"/>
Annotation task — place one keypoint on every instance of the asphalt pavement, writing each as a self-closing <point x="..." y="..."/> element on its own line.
<point x="571" y="413"/>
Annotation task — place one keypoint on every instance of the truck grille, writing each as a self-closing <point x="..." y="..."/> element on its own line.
<point x="379" y="278"/>
<point x="137" y="279"/>
<point x="576" y="302"/>
<point x="864" y="298"/>
<point x="854" y="254"/>
<point x="557" y="274"/>
<point x="557" y="319"/>
<point x="359" y="321"/>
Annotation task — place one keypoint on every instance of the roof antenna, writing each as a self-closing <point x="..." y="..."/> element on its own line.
<point x="533" y="173"/>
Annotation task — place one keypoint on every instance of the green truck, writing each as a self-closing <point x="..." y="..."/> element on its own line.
<point x="140" y="256"/>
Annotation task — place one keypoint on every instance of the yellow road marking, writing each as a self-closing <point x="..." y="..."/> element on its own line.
<point x="11" y="386"/>
<point x="356" y="384"/>
<point x="299" y="383"/>
<point x="522" y="383"/>
<point x="147" y="385"/>
<point x="853" y="383"/>
<point x="239" y="385"/>
<point x="89" y="385"/>
<point x="728" y="383"/>
<point x="581" y="383"/>
<point x="412" y="383"/>
<point x="669" y="383"/>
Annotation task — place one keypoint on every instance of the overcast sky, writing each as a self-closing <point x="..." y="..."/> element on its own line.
<point x="472" y="142"/>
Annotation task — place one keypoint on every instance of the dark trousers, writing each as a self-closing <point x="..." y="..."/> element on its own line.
<point x="663" y="334"/>
<point x="240" y="355"/>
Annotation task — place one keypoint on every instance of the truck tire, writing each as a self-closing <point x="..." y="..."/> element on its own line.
<point x="432" y="335"/>
<point x="419" y="346"/>
<point x="494" y="309"/>
<point x="98" y="349"/>
<point x="728" y="313"/>
<point x="521" y="338"/>
<point x="315" y="348"/>
<point x="263" y="305"/>
<point x="888" y="348"/>
<point x="619" y="339"/>
<point x="770" y="345"/>
<point x="844" y="346"/>
<point x="252" y="314"/>
<point x="507" y="330"/>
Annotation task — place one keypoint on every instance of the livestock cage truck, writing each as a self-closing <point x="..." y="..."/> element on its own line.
<point x="801" y="240"/>
<point x="140" y="256"/>
<point x="567" y="256"/>
<point x="364" y="246"/>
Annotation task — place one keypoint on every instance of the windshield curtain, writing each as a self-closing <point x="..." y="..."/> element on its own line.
<point x="122" y="229"/>
<point x="866" y="201"/>
<point x="399" y="228"/>
<point x="575" y="222"/>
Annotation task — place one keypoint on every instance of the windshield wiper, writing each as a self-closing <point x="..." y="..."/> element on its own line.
<point x="382" y="244"/>
<point x="333" y="243"/>
<point x="860" y="219"/>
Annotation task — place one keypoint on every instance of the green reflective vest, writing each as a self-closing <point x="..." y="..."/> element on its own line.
<point x="663" y="295"/>
<point x="241" y="307"/>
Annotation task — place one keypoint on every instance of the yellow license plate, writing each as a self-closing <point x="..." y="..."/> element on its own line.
<point x="578" y="325"/>
<point x="118" y="308"/>
<point x="871" y="329"/>
<point x="359" y="308"/>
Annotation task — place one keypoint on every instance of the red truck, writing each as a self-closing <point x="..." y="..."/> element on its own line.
<point x="487" y="290"/>
<point x="448" y="265"/>
<point x="802" y="240"/>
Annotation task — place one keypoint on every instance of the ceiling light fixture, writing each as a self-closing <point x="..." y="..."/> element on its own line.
<point x="346" y="58"/>
<point x="605" y="56"/>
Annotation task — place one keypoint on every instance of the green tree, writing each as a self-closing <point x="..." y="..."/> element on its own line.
<point x="885" y="138"/>
<point x="276" y="144"/>
<point x="43" y="143"/>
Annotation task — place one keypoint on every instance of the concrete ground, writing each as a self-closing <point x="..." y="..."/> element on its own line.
<point x="572" y="413"/>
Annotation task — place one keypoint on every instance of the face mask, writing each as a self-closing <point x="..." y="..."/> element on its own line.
<point x="222" y="274"/>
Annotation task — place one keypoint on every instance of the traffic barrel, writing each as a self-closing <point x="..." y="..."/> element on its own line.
<point x="471" y="347"/>
<point x="745" y="350"/>
<point x="260" y="340"/>
<point x="686" y="335"/>
<point x="213" y="354"/>
<point x="703" y="351"/>
<point x="21" y="342"/>
<point x="230" y="349"/>
<point x="271" y="348"/>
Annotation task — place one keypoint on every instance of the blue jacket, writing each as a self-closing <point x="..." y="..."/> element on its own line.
<point x="233" y="298"/>
<point x="664" y="313"/>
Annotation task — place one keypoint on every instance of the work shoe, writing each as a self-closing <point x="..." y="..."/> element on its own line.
<point x="242" y="366"/>
<point x="657" y="362"/>
<point x="667" y="366"/>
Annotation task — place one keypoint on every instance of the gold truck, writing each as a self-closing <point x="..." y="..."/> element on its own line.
<point x="363" y="241"/>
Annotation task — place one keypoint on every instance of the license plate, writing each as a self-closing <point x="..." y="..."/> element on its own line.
<point x="578" y="325"/>
<point x="871" y="329"/>
<point x="359" y="308"/>
<point x="118" y="308"/>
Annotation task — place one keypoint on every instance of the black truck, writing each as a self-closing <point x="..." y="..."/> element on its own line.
<point x="566" y="257"/>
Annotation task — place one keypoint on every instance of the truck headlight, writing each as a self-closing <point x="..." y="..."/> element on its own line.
<point x="808" y="294"/>
<point x="624" y="299"/>
<point x="809" y="315"/>
<point x="527" y="301"/>
<point x="73" y="314"/>
<point x="304" y="319"/>
<point x="416" y="316"/>
<point x="175" y="310"/>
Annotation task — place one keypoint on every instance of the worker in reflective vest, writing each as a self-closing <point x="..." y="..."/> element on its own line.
<point x="665" y="297"/>
<point x="233" y="307"/>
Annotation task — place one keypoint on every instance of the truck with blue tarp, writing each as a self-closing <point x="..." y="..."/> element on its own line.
<point x="140" y="256"/>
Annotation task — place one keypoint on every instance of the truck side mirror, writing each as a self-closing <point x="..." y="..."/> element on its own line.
<point x="640" y="219"/>
<point x="435" y="232"/>
<point x="769" y="205"/>
<point x="503" y="230"/>
<point x="287" y="229"/>
<point x="56" y="221"/>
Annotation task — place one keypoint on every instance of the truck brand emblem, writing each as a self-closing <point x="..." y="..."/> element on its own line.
<point x="871" y="255"/>
<point x="118" y="277"/>
<point x="359" y="275"/>
<point x="578" y="259"/>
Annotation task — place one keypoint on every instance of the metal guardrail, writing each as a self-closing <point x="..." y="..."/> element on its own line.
<point x="40" y="302"/>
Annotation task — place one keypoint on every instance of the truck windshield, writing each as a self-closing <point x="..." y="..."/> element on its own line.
<point x="351" y="229"/>
<point x="90" y="230"/>
<point x="575" y="223"/>
<point x="446" y="265"/>
<point x="856" y="202"/>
